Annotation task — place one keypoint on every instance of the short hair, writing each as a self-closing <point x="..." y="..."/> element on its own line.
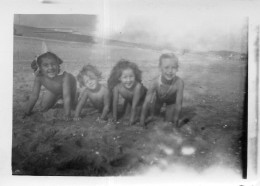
<point x="168" y="56"/>
<point x="85" y="69"/>
<point x="38" y="60"/>
<point x="117" y="70"/>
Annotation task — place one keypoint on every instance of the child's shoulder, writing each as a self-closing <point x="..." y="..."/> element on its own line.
<point x="118" y="86"/>
<point x="156" y="79"/>
<point x="105" y="90"/>
<point x="154" y="82"/>
<point x="66" y="74"/>
<point x="140" y="85"/>
<point x="180" y="80"/>
<point x="104" y="87"/>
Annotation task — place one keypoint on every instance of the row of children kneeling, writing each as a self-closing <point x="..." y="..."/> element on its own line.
<point x="125" y="80"/>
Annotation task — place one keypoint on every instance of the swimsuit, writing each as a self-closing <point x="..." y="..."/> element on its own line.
<point x="163" y="96"/>
<point x="142" y="98"/>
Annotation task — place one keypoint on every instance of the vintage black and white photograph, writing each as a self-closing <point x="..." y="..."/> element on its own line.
<point x="143" y="99"/>
<point x="131" y="93"/>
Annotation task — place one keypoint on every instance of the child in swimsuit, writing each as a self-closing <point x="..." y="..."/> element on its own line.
<point x="125" y="80"/>
<point x="165" y="89"/>
<point x="47" y="74"/>
<point x="97" y="93"/>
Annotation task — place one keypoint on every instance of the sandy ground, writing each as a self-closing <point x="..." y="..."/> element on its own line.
<point x="211" y="133"/>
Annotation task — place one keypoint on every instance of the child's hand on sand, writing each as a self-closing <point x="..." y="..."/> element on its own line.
<point x="111" y="120"/>
<point x="100" y="120"/>
<point x="67" y="118"/>
<point x="146" y="121"/>
<point x="150" y="119"/>
<point x="133" y="121"/>
<point x="77" y="118"/>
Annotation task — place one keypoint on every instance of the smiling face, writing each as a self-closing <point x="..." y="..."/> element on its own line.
<point x="127" y="78"/>
<point x="90" y="80"/>
<point x="169" y="68"/>
<point x="49" y="67"/>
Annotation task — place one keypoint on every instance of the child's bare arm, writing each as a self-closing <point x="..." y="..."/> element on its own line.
<point x="34" y="96"/>
<point x="179" y="98"/>
<point x="107" y="102"/>
<point x="81" y="103"/>
<point x="115" y="101"/>
<point x="136" y="98"/>
<point x="67" y="95"/>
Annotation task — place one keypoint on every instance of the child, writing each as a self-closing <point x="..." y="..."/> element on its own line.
<point x="165" y="89"/>
<point x="125" y="80"/>
<point x="98" y="94"/>
<point x="46" y="69"/>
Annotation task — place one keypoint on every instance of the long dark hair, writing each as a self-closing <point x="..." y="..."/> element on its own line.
<point x="116" y="72"/>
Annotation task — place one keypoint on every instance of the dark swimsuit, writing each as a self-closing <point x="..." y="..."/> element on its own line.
<point x="165" y="97"/>
<point x="142" y="98"/>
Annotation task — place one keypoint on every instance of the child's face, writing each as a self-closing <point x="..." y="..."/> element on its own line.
<point x="49" y="67"/>
<point x="90" y="80"/>
<point x="169" y="68"/>
<point x="127" y="78"/>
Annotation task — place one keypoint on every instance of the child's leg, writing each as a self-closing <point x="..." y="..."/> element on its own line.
<point x="155" y="107"/>
<point x="127" y="110"/>
<point x="74" y="95"/>
<point x="169" y="113"/>
<point x="48" y="100"/>
<point x="138" y="113"/>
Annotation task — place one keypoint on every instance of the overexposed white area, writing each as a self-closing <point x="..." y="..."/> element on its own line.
<point x="193" y="28"/>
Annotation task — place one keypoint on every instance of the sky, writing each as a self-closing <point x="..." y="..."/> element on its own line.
<point x="202" y="25"/>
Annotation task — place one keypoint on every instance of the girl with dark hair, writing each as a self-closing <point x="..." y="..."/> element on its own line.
<point x="125" y="80"/>
<point x="47" y="74"/>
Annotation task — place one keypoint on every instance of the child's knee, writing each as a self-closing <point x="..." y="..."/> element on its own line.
<point x="157" y="108"/>
<point x="47" y="102"/>
<point x="170" y="111"/>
